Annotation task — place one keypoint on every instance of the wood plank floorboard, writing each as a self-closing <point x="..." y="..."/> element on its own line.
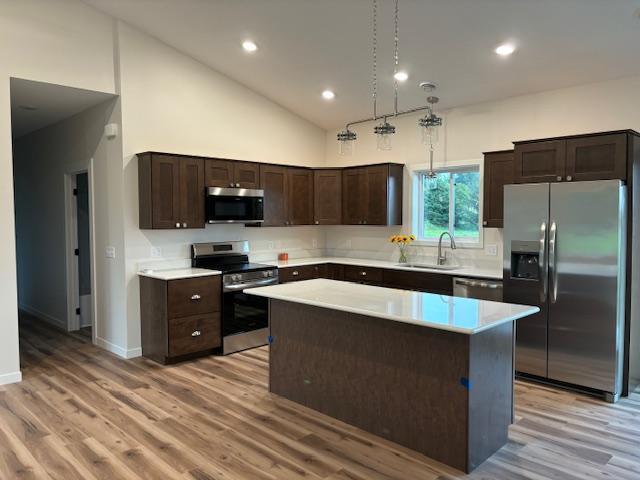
<point x="83" y="413"/>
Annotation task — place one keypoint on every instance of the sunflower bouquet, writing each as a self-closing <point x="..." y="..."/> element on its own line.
<point x="403" y="241"/>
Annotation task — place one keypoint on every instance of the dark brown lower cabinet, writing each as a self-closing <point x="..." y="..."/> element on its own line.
<point x="419" y="281"/>
<point x="180" y="318"/>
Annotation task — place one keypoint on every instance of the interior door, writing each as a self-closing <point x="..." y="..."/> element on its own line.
<point x="526" y="222"/>
<point x="165" y="191"/>
<point x="586" y="262"/>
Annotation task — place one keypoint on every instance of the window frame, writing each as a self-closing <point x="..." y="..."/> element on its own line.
<point x="417" y="210"/>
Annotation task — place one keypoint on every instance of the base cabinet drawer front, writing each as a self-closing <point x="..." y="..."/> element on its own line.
<point x="371" y="275"/>
<point x="193" y="296"/>
<point x="194" y="334"/>
<point x="419" y="281"/>
<point x="295" y="274"/>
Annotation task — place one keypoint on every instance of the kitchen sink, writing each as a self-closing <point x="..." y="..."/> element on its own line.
<point x="428" y="266"/>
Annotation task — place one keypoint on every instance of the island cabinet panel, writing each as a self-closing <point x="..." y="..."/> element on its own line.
<point x="372" y="195"/>
<point x="273" y="179"/>
<point x="300" y="196"/>
<point x="446" y="395"/>
<point x="599" y="157"/>
<point x="536" y="162"/>
<point x="295" y="274"/>
<point x="327" y="200"/>
<point x="498" y="172"/>
<point x="180" y="319"/>
<point x="171" y="191"/>
<point x="419" y="281"/>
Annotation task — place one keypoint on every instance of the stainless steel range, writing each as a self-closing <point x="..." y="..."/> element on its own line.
<point x="245" y="318"/>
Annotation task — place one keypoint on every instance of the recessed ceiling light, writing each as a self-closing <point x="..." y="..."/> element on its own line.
<point x="328" y="95"/>
<point x="249" y="46"/>
<point x="401" y="76"/>
<point x="505" y="50"/>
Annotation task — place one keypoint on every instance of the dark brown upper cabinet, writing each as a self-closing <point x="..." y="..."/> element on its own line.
<point x="232" y="173"/>
<point x="171" y="190"/>
<point x="327" y="202"/>
<point x="601" y="157"/>
<point x="300" y="196"/>
<point x="273" y="179"/>
<point x="538" y="162"/>
<point x="372" y="195"/>
<point x="498" y="172"/>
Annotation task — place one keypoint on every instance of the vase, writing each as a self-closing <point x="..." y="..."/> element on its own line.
<point x="402" y="258"/>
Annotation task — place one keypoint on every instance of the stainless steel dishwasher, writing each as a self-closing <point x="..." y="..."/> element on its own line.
<point x="477" y="288"/>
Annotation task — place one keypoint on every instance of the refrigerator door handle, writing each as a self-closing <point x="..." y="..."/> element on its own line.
<point x="553" y="270"/>
<point x="542" y="264"/>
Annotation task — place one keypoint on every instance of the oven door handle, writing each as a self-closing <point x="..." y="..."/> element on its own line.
<point x="243" y="286"/>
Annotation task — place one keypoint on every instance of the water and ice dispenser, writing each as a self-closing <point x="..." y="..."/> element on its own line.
<point x="525" y="260"/>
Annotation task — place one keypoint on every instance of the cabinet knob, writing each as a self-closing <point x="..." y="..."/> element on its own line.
<point x="231" y="184"/>
<point x="177" y="225"/>
<point x="295" y="273"/>
<point x="364" y="274"/>
<point x="569" y="178"/>
<point x="195" y="297"/>
<point x="484" y="222"/>
<point x="237" y="185"/>
<point x="184" y="225"/>
<point x="317" y="222"/>
<point x="196" y="333"/>
<point x="364" y="221"/>
<point x="559" y="179"/>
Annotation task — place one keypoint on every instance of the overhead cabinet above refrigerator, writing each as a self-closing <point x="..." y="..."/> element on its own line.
<point x="565" y="252"/>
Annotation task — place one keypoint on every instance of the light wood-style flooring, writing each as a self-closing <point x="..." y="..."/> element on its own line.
<point x="82" y="413"/>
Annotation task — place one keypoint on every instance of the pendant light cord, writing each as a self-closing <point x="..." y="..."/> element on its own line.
<point x="395" y="64"/>
<point x="375" y="59"/>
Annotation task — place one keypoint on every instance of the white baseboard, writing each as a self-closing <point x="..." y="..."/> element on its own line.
<point x="13" y="377"/>
<point x="56" y="322"/>
<point x="118" y="350"/>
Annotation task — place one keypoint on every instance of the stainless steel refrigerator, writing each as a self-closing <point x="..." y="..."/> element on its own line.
<point x="564" y="251"/>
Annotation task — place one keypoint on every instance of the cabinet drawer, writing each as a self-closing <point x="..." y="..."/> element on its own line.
<point x="295" y="274"/>
<point x="193" y="296"/>
<point x="194" y="334"/>
<point x="354" y="273"/>
<point x="420" y="281"/>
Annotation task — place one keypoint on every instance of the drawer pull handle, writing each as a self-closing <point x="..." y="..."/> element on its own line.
<point x="195" y="297"/>
<point x="197" y="333"/>
<point x="364" y="274"/>
<point x="295" y="273"/>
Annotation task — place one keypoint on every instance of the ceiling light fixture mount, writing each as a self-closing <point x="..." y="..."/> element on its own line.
<point x="249" y="46"/>
<point x="401" y="76"/>
<point x="505" y="49"/>
<point x="328" y="95"/>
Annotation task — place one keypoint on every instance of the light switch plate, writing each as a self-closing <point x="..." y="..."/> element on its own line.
<point x="271" y="246"/>
<point x="314" y="243"/>
<point x="156" y="252"/>
<point x="492" y="250"/>
<point x="110" y="252"/>
<point x="348" y="243"/>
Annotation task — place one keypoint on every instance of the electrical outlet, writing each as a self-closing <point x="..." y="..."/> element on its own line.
<point x="156" y="252"/>
<point x="314" y="243"/>
<point x="110" y="252"/>
<point x="348" y="243"/>
<point x="271" y="246"/>
<point x="492" y="250"/>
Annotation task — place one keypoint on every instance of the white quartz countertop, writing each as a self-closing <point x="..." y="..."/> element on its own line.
<point x="462" y="315"/>
<point x="464" y="271"/>
<point x="178" y="273"/>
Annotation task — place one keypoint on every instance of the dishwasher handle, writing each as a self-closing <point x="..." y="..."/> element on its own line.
<point x="477" y="283"/>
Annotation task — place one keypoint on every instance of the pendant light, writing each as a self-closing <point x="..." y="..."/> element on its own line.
<point x="430" y="125"/>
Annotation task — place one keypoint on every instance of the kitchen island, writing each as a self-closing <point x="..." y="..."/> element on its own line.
<point x="431" y="372"/>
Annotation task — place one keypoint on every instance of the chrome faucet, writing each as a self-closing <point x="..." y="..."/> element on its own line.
<point x="442" y="259"/>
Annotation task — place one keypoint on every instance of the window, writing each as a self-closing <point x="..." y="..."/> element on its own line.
<point x="450" y="202"/>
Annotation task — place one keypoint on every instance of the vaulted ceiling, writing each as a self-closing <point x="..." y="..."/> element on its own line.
<point x="306" y="46"/>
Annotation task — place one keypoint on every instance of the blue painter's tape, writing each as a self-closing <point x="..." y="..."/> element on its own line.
<point x="465" y="382"/>
<point x="270" y="339"/>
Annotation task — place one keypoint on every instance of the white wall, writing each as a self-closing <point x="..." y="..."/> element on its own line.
<point x="64" y="42"/>
<point x="471" y="130"/>
<point x="172" y="103"/>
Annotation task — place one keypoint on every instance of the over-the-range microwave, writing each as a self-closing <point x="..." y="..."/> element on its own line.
<point x="235" y="205"/>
